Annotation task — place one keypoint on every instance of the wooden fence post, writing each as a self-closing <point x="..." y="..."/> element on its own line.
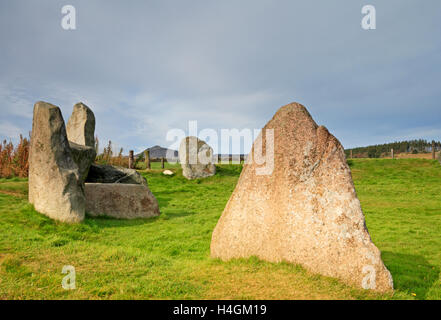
<point x="433" y="150"/>
<point x="392" y="153"/>
<point x="131" y="160"/>
<point x="147" y="159"/>
<point x="162" y="162"/>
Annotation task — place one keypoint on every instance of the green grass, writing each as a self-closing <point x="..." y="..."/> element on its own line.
<point x="168" y="257"/>
<point x="157" y="165"/>
<point x="401" y="200"/>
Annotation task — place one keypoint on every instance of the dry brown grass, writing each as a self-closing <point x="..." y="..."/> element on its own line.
<point x="14" y="161"/>
<point x="416" y="156"/>
<point x="12" y="193"/>
<point x="240" y="280"/>
<point x="408" y="155"/>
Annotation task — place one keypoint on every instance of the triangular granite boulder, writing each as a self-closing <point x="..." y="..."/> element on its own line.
<point x="305" y="212"/>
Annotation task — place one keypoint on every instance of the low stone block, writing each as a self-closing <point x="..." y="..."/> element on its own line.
<point x="121" y="201"/>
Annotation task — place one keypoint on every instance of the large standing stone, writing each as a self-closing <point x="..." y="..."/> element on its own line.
<point x="81" y="126"/>
<point x="55" y="188"/>
<point x="196" y="158"/>
<point x="305" y="212"/>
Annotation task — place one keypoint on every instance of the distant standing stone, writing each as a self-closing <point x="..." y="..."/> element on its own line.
<point x="305" y="212"/>
<point x="81" y="125"/>
<point x="196" y="158"/>
<point x="55" y="187"/>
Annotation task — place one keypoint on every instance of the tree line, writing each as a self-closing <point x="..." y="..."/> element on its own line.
<point x="381" y="150"/>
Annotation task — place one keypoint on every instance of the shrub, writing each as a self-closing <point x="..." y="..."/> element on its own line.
<point x="108" y="158"/>
<point x="14" y="161"/>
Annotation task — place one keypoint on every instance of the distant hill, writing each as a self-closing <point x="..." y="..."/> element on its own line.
<point x="159" y="152"/>
<point x="381" y="150"/>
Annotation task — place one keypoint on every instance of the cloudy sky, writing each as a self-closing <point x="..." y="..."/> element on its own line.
<point x="146" y="67"/>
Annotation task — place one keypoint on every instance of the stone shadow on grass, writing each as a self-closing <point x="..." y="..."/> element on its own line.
<point x="162" y="201"/>
<point x="177" y="214"/>
<point x="411" y="273"/>
<point x="110" y="222"/>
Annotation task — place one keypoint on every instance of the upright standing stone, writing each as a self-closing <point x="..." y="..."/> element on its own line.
<point x="81" y="126"/>
<point x="55" y="188"/>
<point x="81" y="136"/>
<point x="305" y="211"/>
<point x="433" y="150"/>
<point x="196" y="158"/>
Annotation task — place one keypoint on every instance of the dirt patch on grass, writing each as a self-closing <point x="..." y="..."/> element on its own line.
<point x="13" y="193"/>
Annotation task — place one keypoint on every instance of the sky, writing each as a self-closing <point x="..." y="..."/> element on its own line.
<point x="147" y="67"/>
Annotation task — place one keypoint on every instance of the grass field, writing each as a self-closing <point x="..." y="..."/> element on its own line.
<point x="168" y="257"/>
